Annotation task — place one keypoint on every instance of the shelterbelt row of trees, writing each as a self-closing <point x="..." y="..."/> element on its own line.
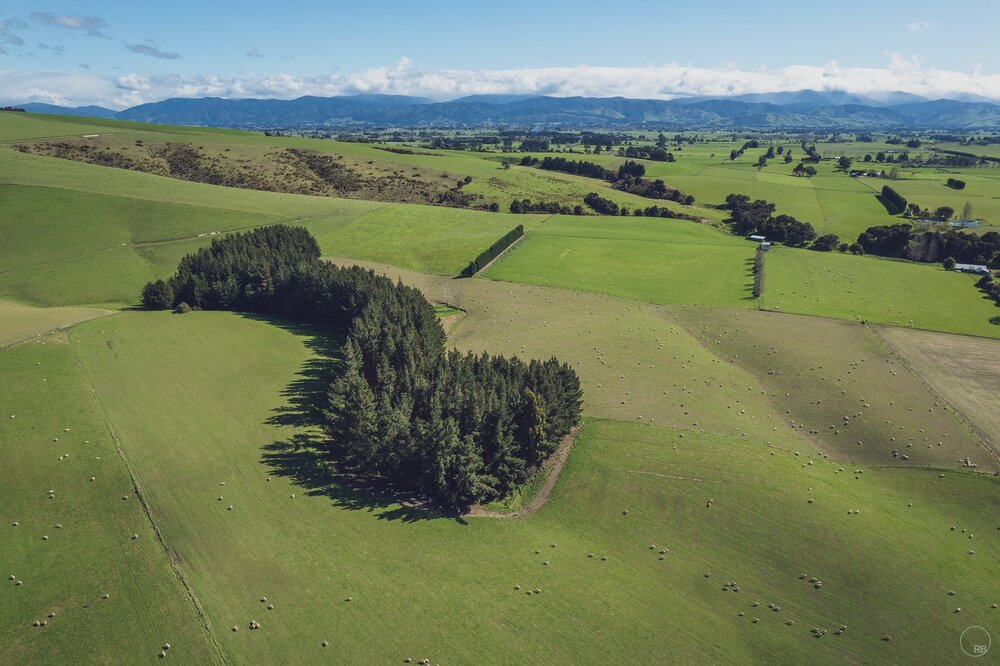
<point x="627" y="178"/>
<point x="460" y="428"/>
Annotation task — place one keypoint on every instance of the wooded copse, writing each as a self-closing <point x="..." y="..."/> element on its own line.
<point x="460" y="428"/>
<point x="756" y="217"/>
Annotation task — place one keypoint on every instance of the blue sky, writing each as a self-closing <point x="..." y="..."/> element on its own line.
<point x="119" y="53"/>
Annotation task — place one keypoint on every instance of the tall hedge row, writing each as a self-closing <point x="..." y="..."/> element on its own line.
<point x="893" y="200"/>
<point x="493" y="251"/>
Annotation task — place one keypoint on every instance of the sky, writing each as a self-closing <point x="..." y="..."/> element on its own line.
<point x="118" y="54"/>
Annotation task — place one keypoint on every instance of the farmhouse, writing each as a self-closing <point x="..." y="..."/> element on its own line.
<point x="977" y="269"/>
<point x="765" y="246"/>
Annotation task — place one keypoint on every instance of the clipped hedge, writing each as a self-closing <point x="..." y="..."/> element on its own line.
<point x="893" y="200"/>
<point x="493" y="251"/>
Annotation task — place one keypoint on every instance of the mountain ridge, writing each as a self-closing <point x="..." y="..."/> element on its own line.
<point x="803" y="109"/>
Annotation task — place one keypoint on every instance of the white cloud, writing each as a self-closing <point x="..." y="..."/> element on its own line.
<point x="918" y="26"/>
<point x="91" y="25"/>
<point x="658" y="82"/>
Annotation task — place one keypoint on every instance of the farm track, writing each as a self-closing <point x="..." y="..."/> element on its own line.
<point x="553" y="465"/>
<point x="148" y="511"/>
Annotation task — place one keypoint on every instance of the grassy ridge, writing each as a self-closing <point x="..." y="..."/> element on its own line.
<point x="817" y="371"/>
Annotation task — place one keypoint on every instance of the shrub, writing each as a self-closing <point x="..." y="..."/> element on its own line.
<point x="826" y="243"/>
<point x="949" y="264"/>
<point x="182" y="308"/>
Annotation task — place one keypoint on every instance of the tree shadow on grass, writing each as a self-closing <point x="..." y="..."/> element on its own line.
<point x="303" y="459"/>
<point x="749" y="285"/>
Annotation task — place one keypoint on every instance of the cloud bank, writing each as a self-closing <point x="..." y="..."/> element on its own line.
<point x="651" y="82"/>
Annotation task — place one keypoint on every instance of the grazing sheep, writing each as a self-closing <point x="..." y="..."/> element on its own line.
<point x="325" y="644"/>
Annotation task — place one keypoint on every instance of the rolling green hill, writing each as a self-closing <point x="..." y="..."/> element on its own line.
<point x="750" y="441"/>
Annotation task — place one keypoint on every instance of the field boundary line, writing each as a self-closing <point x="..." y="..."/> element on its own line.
<point x="671" y="476"/>
<point x="147" y="510"/>
<point x="959" y="414"/>
<point x="553" y="465"/>
<point x="54" y="329"/>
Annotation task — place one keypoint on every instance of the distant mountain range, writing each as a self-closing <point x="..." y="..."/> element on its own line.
<point x="804" y="110"/>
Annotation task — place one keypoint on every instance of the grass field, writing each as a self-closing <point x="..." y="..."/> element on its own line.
<point x="966" y="371"/>
<point x="648" y="259"/>
<point x="49" y="412"/>
<point x="897" y="293"/>
<point x="819" y="371"/>
<point x="631" y="605"/>
<point x="22" y="322"/>
<point x="754" y="444"/>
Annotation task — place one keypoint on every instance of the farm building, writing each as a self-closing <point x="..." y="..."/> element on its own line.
<point x="964" y="224"/>
<point x="978" y="269"/>
<point x="757" y="238"/>
<point x="765" y="246"/>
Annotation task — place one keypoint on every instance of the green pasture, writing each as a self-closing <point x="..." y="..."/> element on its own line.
<point x="650" y="259"/>
<point x="84" y="541"/>
<point x="400" y="568"/>
<point x="896" y="293"/>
